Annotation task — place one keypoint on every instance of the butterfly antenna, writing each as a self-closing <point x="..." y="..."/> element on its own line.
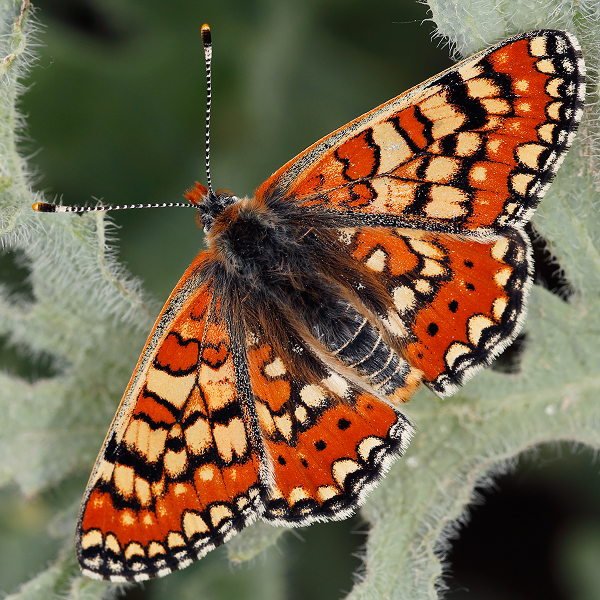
<point x="207" y="44"/>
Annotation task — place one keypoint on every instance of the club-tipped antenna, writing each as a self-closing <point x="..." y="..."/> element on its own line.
<point x="199" y="190"/>
<point x="47" y="207"/>
<point x="207" y="44"/>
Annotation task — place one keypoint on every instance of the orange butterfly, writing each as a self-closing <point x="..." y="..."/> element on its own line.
<point x="390" y="252"/>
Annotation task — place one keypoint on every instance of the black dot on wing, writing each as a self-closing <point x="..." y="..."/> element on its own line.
<point x="281" y="460"/>
<point x="453" y="306"/>
<point x="470" y="287"/>
<point x="343" y="424"/>
<point x="320" y="445"/>
<point x="304" y="463"/>
<point x="468" y="264"/>
<point x="432" y="329"/>
<point x="420" y="355"/>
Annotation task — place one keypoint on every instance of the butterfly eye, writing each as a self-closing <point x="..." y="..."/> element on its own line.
<point x="224" y="192"/>
<point x="199" y="222"/>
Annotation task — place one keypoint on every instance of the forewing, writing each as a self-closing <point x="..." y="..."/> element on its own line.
<point x="179" y="470"/>
<point x="472" y="148"/>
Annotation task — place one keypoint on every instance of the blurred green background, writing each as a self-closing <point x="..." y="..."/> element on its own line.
<point x="115" y="111"/>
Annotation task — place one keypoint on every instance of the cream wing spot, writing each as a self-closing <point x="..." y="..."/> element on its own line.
<point x="529" y="154"/>
<point x="148" y="442"/>
<point x="265" y="418"/>
<point x="198" y="437"/>
<point x="193" y="524"/>
<point x="313" y="395"/>
<point x="553" y="85"/>
<point x="426" y="249"/>
<point x="297" y="495"/>
<point x="336" y="384"/>
<point x="467" y="143"/>
<point x="522" y="106"/>
<point x="105" y="471"/>
<point x="284" y="424"/>
<point x="498" y="307"/>
<point x="404" y="298"/>
<point x="326" y="492"/>
<point x="275" y="368"/>
<point x="367" y="445"/>
<point x="520" y="181"/>
<point x="470" y="70"/>
<point x="300" y="414"/>
<point x="496" y="106"/>
<point x="446" y="202"/>
<point x="502" y="276"/>
<point x="521" y="85"/>
<point x="553" y="110"/>
<point x="342" y="468"/>
<point x="482" y="88"/>
<point x="546" y="132"/>
<point x="175" y="540"/>
<point x="154" y="548"/>
<point x="218" y="513"/>
<point x="479" y="174"/>
<point x="454" y="352"/>
<point x="173" y="389"/>
<point x="441" y="169"/>
<point x="377" y="261"/>
<point x="206" y="473"/>
<point x="230" y="439"/>
<point x="537" y="46"/>
<point x="431" y="268"/>
<point x="134" y="549"/>
<point x="423" y="286"/>
<point x="175" y="462"/>
<point x="142" y="491"/>
<point x="476" y="325"/>
<point x="545" y="66"/>
<point x="394" y="149"/>
<point x="218" y="385"/>
<point x="446" y="126"/>
<point x="91" y="538"/>
<point x="112" y="543"/>
<point x="124" y="477"/>
<point x="499" y="249"/>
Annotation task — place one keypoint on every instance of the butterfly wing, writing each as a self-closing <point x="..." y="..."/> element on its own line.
<point x="328" y="440"/>
<point x="452" y="302"/>
<point x="222" y="422"/>
<point x="473" y="148"/>
<point x="179" y="472"/>
<point x="431" y="191"/>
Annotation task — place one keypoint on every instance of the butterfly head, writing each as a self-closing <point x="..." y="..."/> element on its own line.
<point x="210" y="204"/>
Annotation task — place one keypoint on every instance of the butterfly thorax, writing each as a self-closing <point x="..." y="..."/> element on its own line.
<point x="256" y="244"/>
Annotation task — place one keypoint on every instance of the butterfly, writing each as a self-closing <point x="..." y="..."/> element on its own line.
<point x="387" y="254"/>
